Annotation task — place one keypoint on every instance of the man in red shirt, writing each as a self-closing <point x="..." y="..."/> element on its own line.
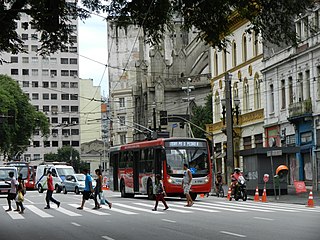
<point x="50" y="191"/>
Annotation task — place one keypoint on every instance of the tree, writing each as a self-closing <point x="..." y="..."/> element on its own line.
<point x="211" y="18"/>
<point x="18" y="119"/>
<point x="202" y="115"/>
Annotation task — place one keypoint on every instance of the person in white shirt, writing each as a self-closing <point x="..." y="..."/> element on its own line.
<point x="13" y="190"/>
<point x="186" y="184"/>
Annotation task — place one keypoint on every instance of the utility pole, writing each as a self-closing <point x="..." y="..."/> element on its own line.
<point x="188" y="99"/>
<point x="229" y="127"/>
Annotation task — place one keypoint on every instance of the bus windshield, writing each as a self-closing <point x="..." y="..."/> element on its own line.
<point x="196" y="158"/>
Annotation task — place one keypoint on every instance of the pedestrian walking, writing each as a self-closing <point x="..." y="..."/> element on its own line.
<point x="98" y="190"/>
<point x="50" y="191"/>
<point x="20" y="195"/>
<point x="88" y="190"/>
<point x="160" y="193"/>
<point x="13" y="190"/>
<point x="186" y="184"/>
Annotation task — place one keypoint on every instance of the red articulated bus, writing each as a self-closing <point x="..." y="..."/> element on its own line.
<point x="26" y="171"/>
<point x="133" y="166"/>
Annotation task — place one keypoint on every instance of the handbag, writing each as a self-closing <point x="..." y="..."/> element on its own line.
<point x="20" y="197"/>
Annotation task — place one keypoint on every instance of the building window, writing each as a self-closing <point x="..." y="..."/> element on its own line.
<point x="45" y="60"/>
<point x="306" y="137"/>
<point x="283" y="94"/>
<point x="53" y="60"/>
<point x="74" y="108"/>
<point x="73" y="39"/>
<point x="64" y="85"/>
<point x="224" y="59"/>
<point x="25" y="48"/>
<point x="34" y="36"/>
<point x="35" y="84"/>
<point x="45" y="84"/>
<point x="74" y="131"/>
<point x="290" y="88"/>
<point x="46" y="143"/>
<point x="247" y="142"/>
<point x="54" y="109"/>
<point x="73" y="85"/>
<point x="215" y="63"/>
<point x="25" y="60"/>
<point x="65" y="108"/>
<point x="74" y="73"/>
<point x="25" y="72"/>
<point x="14" y="59"/>
<point x="246" y="103"/>
<point x="54" y="96"/>
<point x="300" y="87"/>
<point x="73" y="61"/>
<point x="45" y="108"/>
<point x="73" y="49"/>
<point x="25" y="84"/>
<point x="24" y="36"/>
<point x="271" y="98"/>
<point x="75" y="143"/>
<point x="122" y="120"/>
<point x="122" y="138"/>
<point x="36" y="107"/>
<point x="34" y="48"/>
<point x="257" y="92"/>
<point x="35" y="96"/>
<point x="64" y="49"/>
<point x="45" y="72"/>
<point x="244" y="48"/>
<point x="53" y="73"/>
<point x="45" y="96"/>
<point x="24" y="25"/>
<point x="55" y="144"/>
<point x="34" y="60"/>
<point x="255" y="44"/>
<point x="36" y="144"/>
<point x="73" y="96"/>
<point x="14" y="72"/>
<point x="258" y="140"/>
<point x="64" y="72"/>
<point x="64" y="61"/>
<point x="307" y="84"/>
<point x="64" y="96"/>
<point x="121" y="103"/>
<point x="34" y="72"/>
<point x="234" y="54"/>
<point x="217" y="108"/>
<point x="54" y="84"/>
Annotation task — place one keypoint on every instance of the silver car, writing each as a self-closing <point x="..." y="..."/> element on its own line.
<point x="73" y="183"/>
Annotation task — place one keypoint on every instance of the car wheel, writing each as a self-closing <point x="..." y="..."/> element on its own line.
<point x="40" y="188"/>
<point x="76" y="190"/>
<point x="64" y="190"/>
<point x="58" y="189"/>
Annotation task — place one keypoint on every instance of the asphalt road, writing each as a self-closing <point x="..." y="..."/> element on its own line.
<point x="209" y="218"/>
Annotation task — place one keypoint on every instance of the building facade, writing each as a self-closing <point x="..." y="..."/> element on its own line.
<point x="52" y="84"/>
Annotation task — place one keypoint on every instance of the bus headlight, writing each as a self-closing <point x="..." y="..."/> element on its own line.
<point x="206" y="180"/>
<point x="170" y="180"/>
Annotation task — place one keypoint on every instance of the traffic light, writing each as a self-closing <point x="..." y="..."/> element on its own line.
<point x="163" y="118"/>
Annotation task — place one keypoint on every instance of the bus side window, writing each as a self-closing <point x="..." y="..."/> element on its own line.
<point x="54" y="173"/>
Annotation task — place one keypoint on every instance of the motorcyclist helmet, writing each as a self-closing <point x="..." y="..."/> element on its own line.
<point x="236" y="170"/>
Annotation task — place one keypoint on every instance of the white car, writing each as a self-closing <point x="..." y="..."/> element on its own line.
<point x="5" y="179"/>
<point x="74" y="183"/>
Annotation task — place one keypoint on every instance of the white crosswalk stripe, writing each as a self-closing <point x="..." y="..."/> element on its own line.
<point x="266" y="207"/>
<point x="14" y="215"/>
<point x="38" y="211"/>
<point x="228" y="205"/>
<point x="119" y="210"/>
<point x="138" y="209"/>
<point x="180" y="205"/>
<point x="96" y="212"/>
<point x="68" y="212"/>
<point x="217" y="206"/>
<point x="286" y="206"/>
<point x="170" y="208"/>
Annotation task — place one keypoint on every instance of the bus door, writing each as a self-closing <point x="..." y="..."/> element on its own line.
<point x="158" y="161"/>
<point x="136" y="160"/>
<point x="114" y="160"/>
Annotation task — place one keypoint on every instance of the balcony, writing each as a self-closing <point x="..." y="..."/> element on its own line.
<point x="300" y="110"/>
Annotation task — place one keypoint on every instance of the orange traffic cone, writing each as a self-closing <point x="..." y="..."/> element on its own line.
<point x="310" y="200"/>
<point x="202" y="195"/>
<point x="264" y="195"/>
<point x="229" y="194"/>
<point x="256" y="195"/>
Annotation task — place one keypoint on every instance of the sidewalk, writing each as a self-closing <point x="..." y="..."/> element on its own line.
<point x="291" y="197"/>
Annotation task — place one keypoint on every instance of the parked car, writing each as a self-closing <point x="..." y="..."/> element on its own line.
<point x="74" y="183"/>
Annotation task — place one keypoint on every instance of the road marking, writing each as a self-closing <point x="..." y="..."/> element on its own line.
<point x="167" y="220"/>
<point x="233" y="234"/>
<point x="230" y="205"/>
<point x="96" y="212"/>
<point x="75" y="224"/>
<point x="170" y="209"/>
<point x="138" y="209"/>
<point x="67" y="212"/>
<point x="108" y="238"/>
<point x="194" y="208"/>
<point x="119" y="210"/>
<point x="216" y="206"/>
<point x="290" y="206"/>
<point x="39" y="212"/>
<point x="28" y="201"/>
<point x="14" y="215"/>
<point x="261" y="218"/>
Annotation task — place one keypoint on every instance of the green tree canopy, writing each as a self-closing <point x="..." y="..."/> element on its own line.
<point x="18" y="118"/>
<point x="211" y="18"/>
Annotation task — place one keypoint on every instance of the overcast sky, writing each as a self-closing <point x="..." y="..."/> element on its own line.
<point x="93" y="44"/>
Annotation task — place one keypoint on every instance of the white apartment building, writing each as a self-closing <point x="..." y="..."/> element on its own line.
<point x="52" y="84"/>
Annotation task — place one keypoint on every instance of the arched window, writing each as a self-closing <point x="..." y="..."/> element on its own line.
<point x="224" y="60"/>
<point x="234" y="54"/>
<point x="257" y="92"/>
<point x="244" y="48"/>
<point x="215" y="63"/>
<point x="235" y="93"/>
<point x="217" y="108"/>
<point x="246" y="103"/>
<point x="255" y="44"/>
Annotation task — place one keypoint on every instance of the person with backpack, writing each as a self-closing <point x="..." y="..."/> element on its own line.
<point x="160" y="193"/>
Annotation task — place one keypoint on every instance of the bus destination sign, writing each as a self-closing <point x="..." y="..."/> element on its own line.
<point x="185" y="144"/>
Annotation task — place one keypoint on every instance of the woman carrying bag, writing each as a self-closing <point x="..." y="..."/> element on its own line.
<point x="20" y="195"/>
<point x="160" y="193"/>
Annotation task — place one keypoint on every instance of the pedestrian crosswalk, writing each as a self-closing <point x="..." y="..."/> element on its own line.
<point x="135" y="207"/>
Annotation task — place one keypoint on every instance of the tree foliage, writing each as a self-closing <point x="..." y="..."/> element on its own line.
<point x="18" y="120"/>
<point x="202" y="115"/>
<point x="211" y="18"/>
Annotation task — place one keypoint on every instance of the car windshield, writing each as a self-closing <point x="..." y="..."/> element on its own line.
<point x="196" y="158"/>
<point x="65" y="171"/>
<point x="4" y="174"/>
<point x="80" y="177"/>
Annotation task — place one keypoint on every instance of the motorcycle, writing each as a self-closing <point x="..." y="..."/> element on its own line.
<point x="240" y="190"/>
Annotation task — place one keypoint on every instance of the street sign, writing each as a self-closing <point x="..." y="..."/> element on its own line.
<point x="274" y="153"/>
<point x="266" y="178"/>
